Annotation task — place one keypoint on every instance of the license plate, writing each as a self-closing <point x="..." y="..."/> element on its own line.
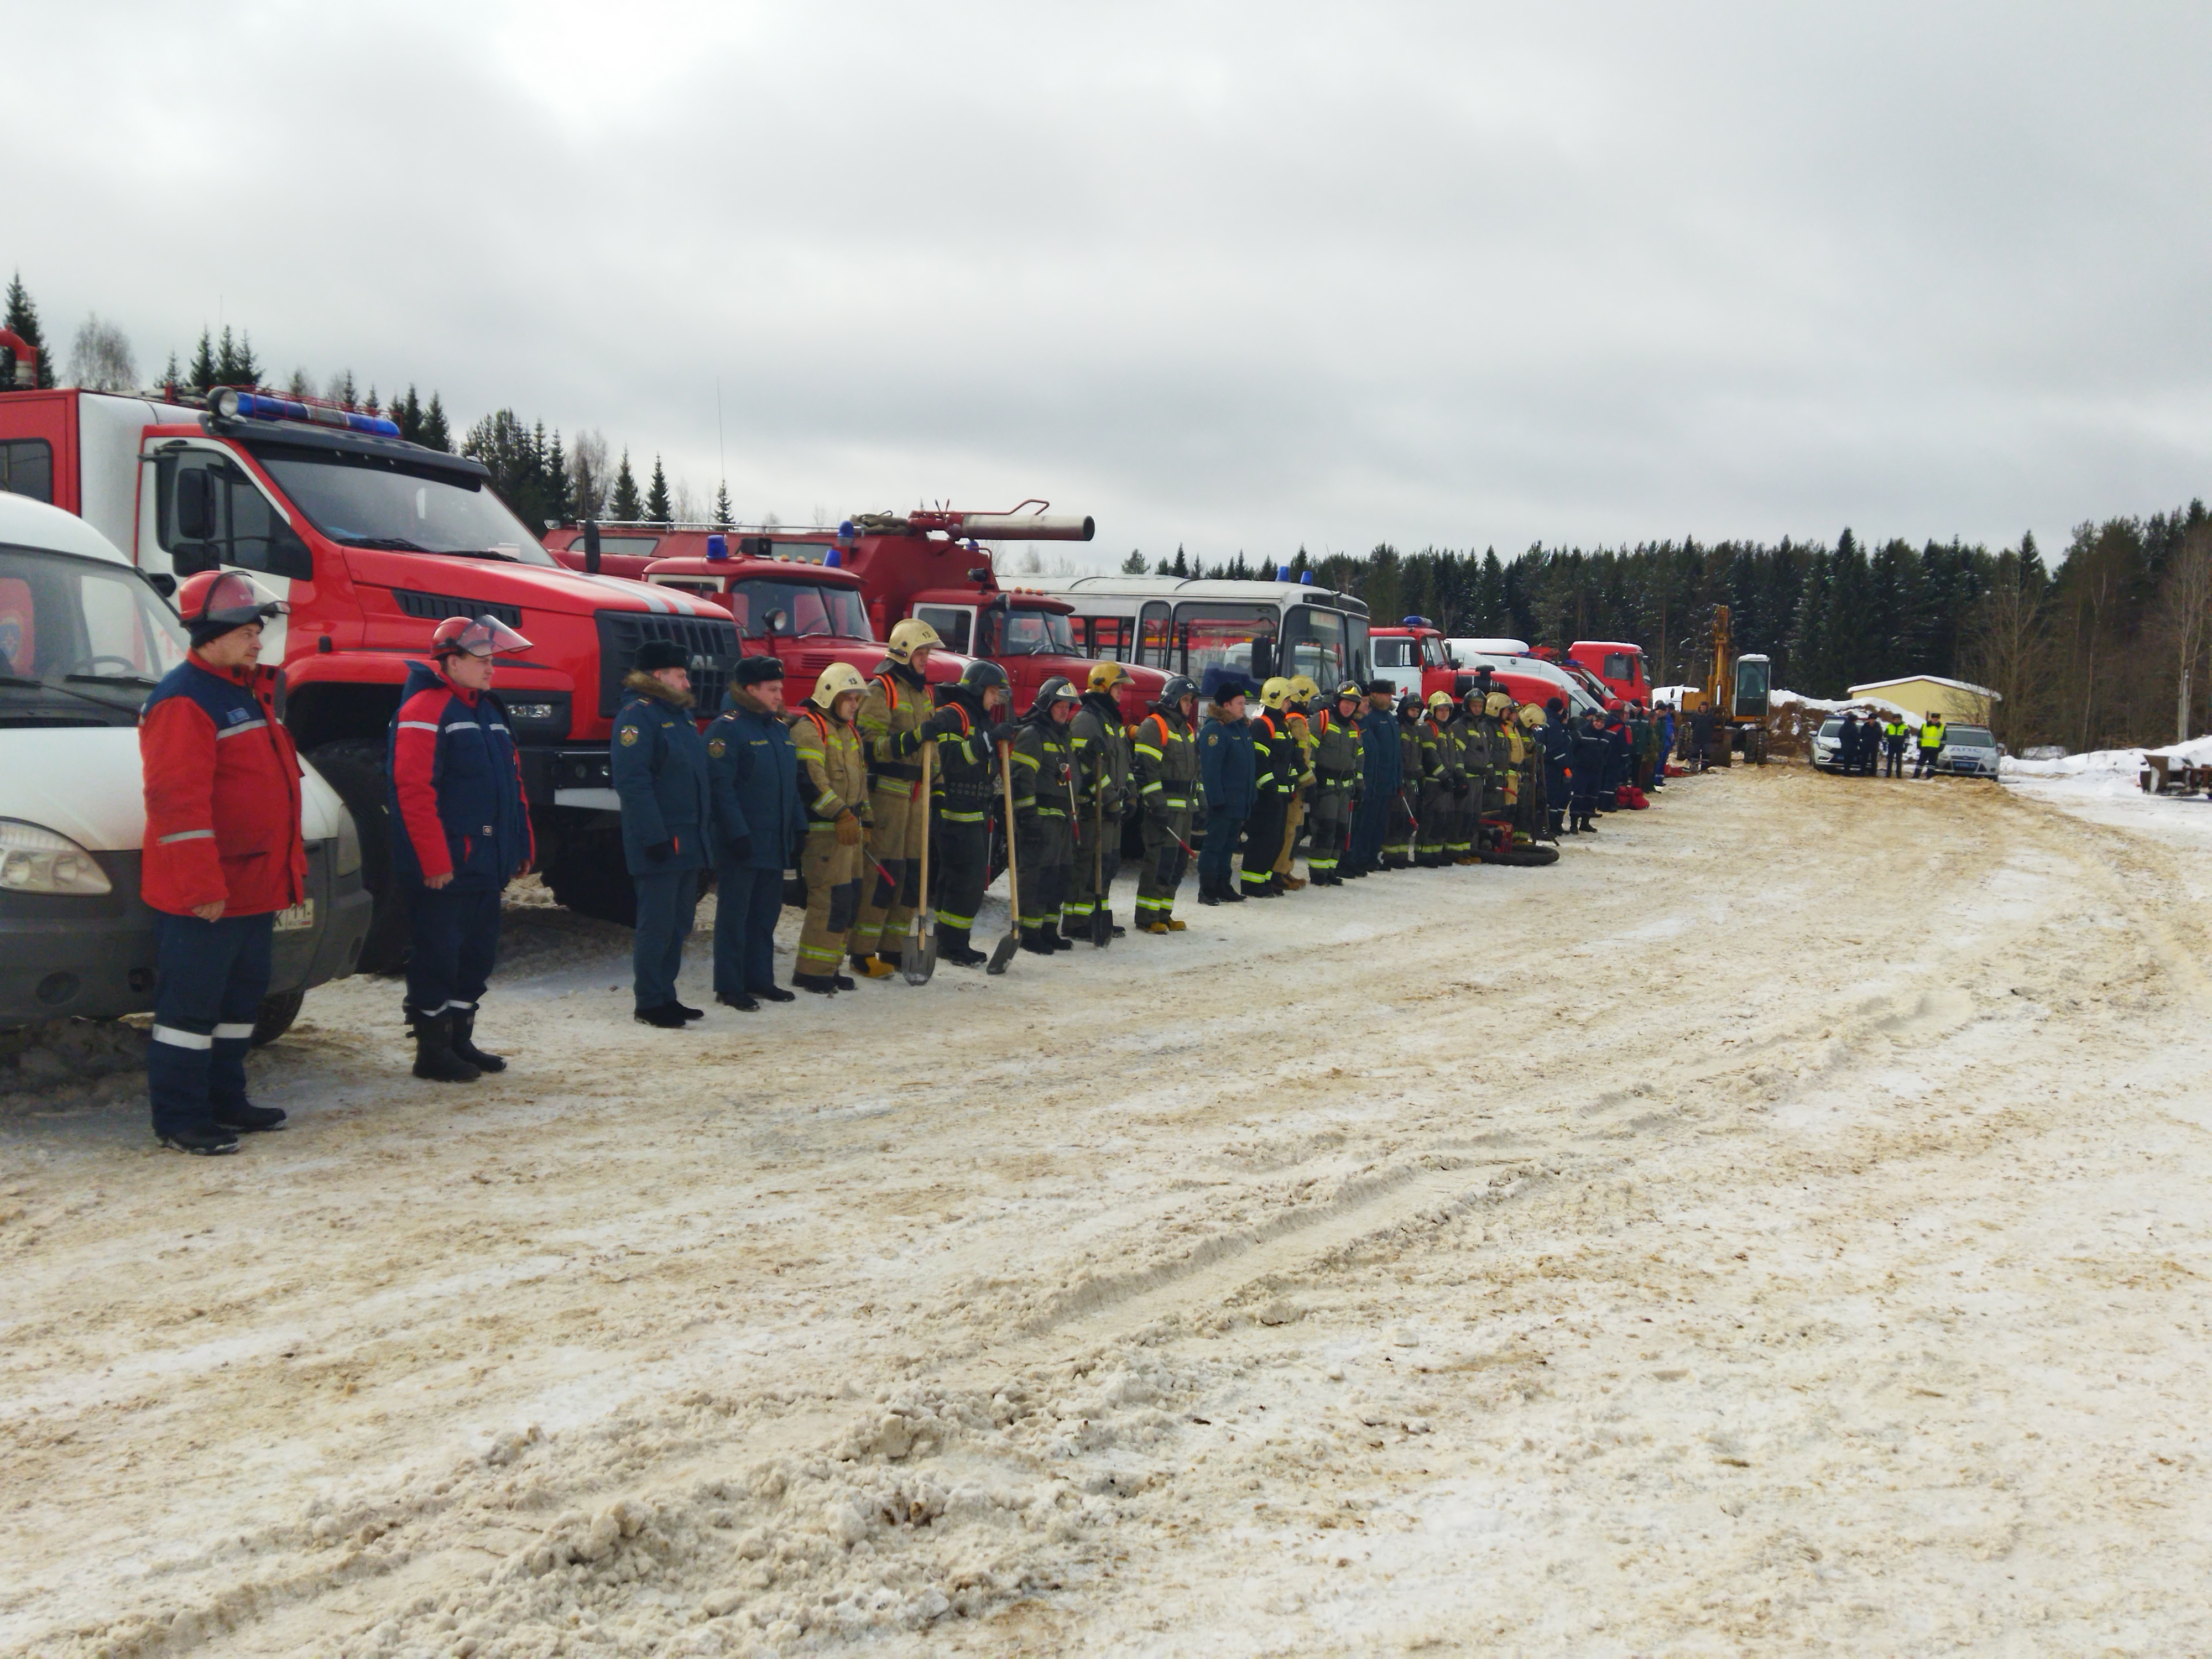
<point x="301" y="915"/>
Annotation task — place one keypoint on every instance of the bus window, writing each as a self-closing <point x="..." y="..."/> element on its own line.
<point x="1155" y="643"/>
<point x="1241" y="637"/>
<point x="1109" y="637"/>
<point x="1316" y="643"/>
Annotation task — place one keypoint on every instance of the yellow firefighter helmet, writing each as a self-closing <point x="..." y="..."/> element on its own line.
<point x="1275" y="693"/>
<point x="910" y="636"/>
<point x="836" y="680"/>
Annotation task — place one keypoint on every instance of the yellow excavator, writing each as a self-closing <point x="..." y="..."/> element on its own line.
<point x="1738" y="689"/>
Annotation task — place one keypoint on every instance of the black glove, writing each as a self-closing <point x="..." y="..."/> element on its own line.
<point x="1004" y="731"/>
<point x="944" y="723"/>
<point x="739" y="848"/>
<point x="659" y="850"/>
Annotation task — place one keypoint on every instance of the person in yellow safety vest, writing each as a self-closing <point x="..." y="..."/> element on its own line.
<point x="834" y="778"/>
<point x="1044" y="799"/>
<point x="1893" y="746"/>
<point x="1099" y="741"/>
<point x="1297" y="715"/>
<point x="897" y="719"/>
<point x="1931" y="744"/>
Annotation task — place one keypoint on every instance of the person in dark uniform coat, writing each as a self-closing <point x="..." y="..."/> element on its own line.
<point x="1228" y="772"/>
<point x="463" y="821"/>
<point x="759" y="822"/>
<point x="661" y="772"/>
<point x="1595" y="753"/>
<point x="1557" y="739"/>
<point x="1379" y="763"/>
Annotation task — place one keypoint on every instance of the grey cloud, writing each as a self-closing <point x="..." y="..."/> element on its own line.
<point x="1233" y="276"/>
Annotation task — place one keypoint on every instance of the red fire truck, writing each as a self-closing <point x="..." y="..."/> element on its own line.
<point x="1617" y="663"/>
<point x="1414" y="657"/>
<point x="927" y="564"/>
<point x="373" y="541"/>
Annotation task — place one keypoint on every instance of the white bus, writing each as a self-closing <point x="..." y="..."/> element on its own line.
<point x="1212" y="629"/>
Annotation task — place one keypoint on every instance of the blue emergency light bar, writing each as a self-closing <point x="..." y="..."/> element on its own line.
<point x="1414" y="621"/>
<point x="230" y="405"/>
<point x="718" y="547"/>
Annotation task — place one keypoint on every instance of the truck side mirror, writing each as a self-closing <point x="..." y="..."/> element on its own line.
<point x="195" y="504"/>
<point x="1263" y="660"/>
<point x="161" y="583"/>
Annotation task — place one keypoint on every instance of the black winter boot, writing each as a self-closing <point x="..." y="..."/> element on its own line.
<point x="952" y="946"/>
<point x="434" y="1058"/>
<point x="202" y="1140"/>
<point x="1034" y="941"/>
<point x="822" y="985"/>
<point x="1206" y="892"/>
<point x="669" y="1016"/>
<point x="248" y="1119"/>
<point x="463" y="1029"/>
<point x="1052" y="939"/>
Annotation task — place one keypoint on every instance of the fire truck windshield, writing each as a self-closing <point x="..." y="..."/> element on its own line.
<point x="1025" y="634"/>
<point x="365" y="501"/>
<point x="797" y="611"/>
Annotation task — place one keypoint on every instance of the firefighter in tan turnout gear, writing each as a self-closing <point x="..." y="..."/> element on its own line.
<point x="898" y="720"/>
<point x="834" y="779"/>
<point x="1100" y="758"/>
<point x="1297" y="719"/>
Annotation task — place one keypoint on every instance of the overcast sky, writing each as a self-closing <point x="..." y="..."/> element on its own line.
<point x="1234" y="276"/>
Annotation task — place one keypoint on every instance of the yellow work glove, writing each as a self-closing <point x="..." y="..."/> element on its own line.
<point x="848" y="830"/>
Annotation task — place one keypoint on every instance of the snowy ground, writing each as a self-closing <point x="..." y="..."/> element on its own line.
<point x="1778" y="1226"/>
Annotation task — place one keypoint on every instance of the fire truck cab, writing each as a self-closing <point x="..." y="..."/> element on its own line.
<point x="1617" y="663"/>
<point x="373" y="541"/>
<point x="1412" y="658"/>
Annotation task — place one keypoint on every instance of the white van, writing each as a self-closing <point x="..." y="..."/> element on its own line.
<point x="83" y="638"/>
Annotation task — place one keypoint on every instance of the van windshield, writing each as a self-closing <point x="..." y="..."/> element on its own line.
<point x="74" y="632"/>
<point x="379" y="500"/>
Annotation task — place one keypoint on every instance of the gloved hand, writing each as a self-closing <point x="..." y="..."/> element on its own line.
<point x="740" y="847"/>
<point x="659" y="850"/>
<point x="1004" y="731"/>
<point x="848" y="829"/>
<point x="944" y="723"/>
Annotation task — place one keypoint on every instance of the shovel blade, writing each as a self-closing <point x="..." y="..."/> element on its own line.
<point x="918" y="961"/>
<point x="1003" y="953"/>
<point x="1102" y="927"/>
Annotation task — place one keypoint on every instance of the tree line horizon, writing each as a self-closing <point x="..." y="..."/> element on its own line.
<point x="2106" y="650"/>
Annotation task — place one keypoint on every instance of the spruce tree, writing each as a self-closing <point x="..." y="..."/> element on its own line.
<point x="1135" y="564"/>
<point x="1161" y="569"/>
<point x="1182" y="566"/>
<point x="435" y="433"/>
<point x="407" y="416"/>
<point x="368" y="404"/>
<point x="724" y="518"/>
<point x="623" y="506"/>
<point x="656" y="495"/>
<point x="172" y="378"/>
<point x="557" y="480"/>
<point x="21" y="319"/>
<point x="203" y="379"/>
<point x="300" y="385"/>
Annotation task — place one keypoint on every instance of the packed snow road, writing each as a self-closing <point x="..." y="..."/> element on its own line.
<point x="1779" y="1225"/>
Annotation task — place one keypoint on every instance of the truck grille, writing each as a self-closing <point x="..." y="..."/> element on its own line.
<point x="714" y="647"/>
<point x="436" y="607"/>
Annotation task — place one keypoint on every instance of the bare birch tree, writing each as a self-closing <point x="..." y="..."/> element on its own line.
<point x="101" y="359"/>
<point x="2186" y="604"/>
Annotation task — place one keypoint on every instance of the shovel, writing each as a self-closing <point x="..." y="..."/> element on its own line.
<point x="1003" y="952"/>
<point x="918" y="961"/>
<point x="1101" y="917"/>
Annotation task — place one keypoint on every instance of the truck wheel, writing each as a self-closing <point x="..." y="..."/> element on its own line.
<point x="355" y="768"/>
<point x="276" y="1018"/>
<point x="591" y="877"/>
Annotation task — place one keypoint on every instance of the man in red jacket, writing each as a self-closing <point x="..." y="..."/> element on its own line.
<point x="223" y="853"/>
<point x="457" y="797"/>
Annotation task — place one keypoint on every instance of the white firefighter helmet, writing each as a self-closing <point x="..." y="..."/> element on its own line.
<point x="836" y="680"/>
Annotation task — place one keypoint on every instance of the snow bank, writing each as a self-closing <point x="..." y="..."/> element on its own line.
<point x="1824" y="706"/>
<point x="2122" y="764"/>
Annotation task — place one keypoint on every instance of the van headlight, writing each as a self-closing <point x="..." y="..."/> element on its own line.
<point x="35" y="859"/>
<point x="348" y="859"/>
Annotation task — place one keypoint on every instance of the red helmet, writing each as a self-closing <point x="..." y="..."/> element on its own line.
<point x="225" y="599"/>
<point x="478" y="636"/>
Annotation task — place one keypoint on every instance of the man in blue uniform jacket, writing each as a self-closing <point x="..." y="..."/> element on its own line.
<point x="1228" y="768"/>
<point x="759" y="822"/>
<point x="1383" y="769"/>
<point x="660" y="771"/>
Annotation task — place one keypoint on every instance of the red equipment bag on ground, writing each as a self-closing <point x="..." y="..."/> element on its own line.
<point x="1633" y="798"/>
